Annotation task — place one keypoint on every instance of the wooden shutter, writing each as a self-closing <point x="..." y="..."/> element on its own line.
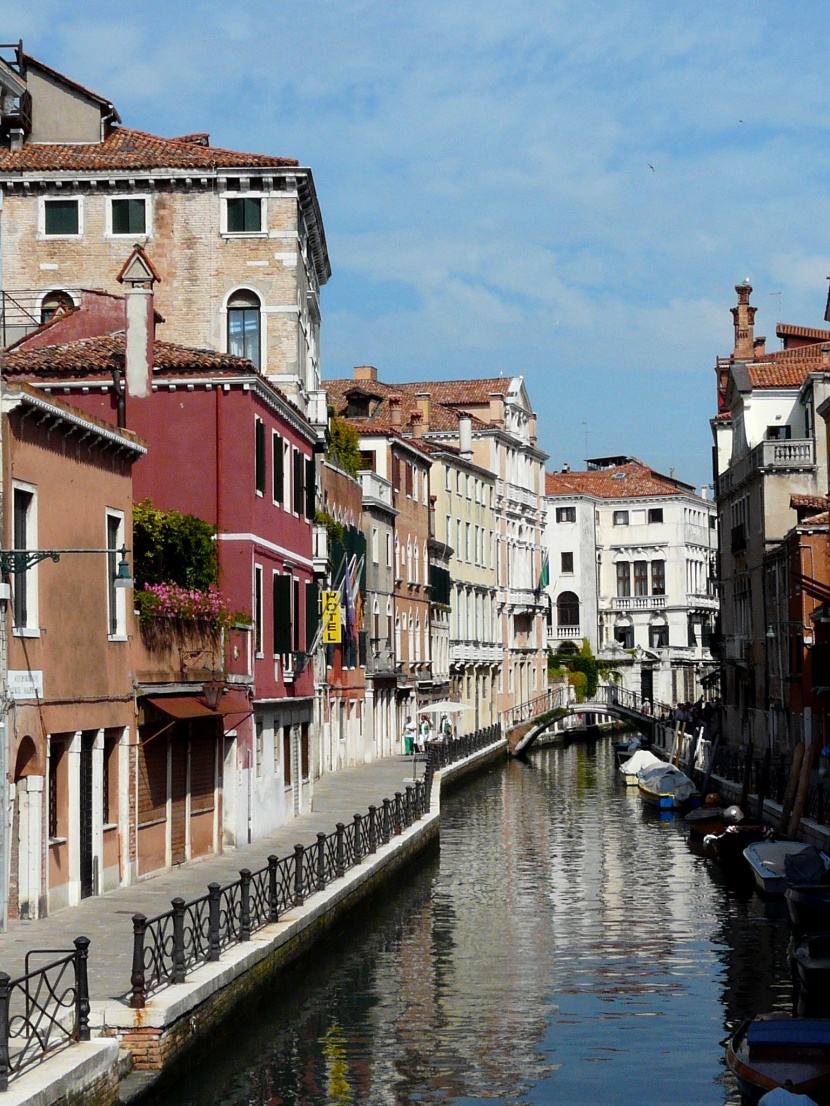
<point x="202" y="767"/>
<point x="152" y="780"/>
<point x="312" y="614"/>
<point x="282" y="614"/>
<point x="310" y="490"/>
<point x="260" y="456"/>
<point x="409" y="479"/>
<point x="295" y="621"/>
<point x="278" y="474"/>
<point x="298" y="482"/>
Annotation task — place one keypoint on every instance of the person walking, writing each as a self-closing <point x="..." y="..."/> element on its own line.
<point x="409" y="734"/>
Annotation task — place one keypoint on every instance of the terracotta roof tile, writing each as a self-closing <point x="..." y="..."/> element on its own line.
<point x="801" y="501"/>
<point x="821" y="519"/>
<point x="442" y="417"/>
<point x="124" y="148"/>
<point x="99" y="356"/>
<point x="813" y="334"/>
<point x="782" y="374"/>
<point x="632" y="480"/>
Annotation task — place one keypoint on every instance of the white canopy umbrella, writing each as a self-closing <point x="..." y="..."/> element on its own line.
<point x="444" y="706"/>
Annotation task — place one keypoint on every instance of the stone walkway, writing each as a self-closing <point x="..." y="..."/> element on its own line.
<point x="106" y="919"/>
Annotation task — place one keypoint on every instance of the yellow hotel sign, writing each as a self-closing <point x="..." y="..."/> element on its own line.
<point x="331" y="618"/>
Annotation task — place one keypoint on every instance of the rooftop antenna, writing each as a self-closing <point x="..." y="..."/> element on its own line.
<point x="585" y="431"/>
<point x="778" y="317"/>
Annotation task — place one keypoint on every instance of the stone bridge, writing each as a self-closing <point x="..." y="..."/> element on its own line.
<point x="522" y="724"/>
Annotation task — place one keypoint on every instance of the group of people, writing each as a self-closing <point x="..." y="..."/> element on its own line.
<point x="417" y="737"/>
<point x="695" y="715"/>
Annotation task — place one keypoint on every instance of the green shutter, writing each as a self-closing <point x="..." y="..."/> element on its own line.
<point x="312" y="613"/>
<point x="282" y="614"/>
<point x="298" y="482"/>
<point x="128" y="217"/>
<point x="259" y="476"/>
<point x="278" y="468"/>
<point x="310" y="492"/>
<point x="61" y="216"/>
<point x="244" y="215"/>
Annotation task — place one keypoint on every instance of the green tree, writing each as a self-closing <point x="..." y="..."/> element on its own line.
<point x="171" y="548"/>
<point x="344" y="446"/>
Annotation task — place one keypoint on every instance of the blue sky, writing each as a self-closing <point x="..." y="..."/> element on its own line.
<point x="563" y="190"/>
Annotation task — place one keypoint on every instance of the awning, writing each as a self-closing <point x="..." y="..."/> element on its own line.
<point x="195" y="706"/>
<point x="445" y="706"/>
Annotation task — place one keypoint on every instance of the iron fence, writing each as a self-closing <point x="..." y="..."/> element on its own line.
<point x="731" y="764"/>
<point x="44" y="1009"/>
<point x="170" y="945"/>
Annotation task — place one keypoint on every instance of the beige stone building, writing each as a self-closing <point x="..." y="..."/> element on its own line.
<point x="237" y="239"/>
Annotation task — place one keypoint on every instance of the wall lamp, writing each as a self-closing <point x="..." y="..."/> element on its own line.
<point x="13" y="562"/>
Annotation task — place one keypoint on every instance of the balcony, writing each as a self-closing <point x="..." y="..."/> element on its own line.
<point x="375" y="487"/>
<point x="569" y="632"/>
<point x="522" y="598"/>
<point x="736" y="647"/>
<point x="467" y="652"/>
<point x="320" y="554"/>
<point x="380" y="657"/>
<point x="795" y="455"/>
<point x="702" y="602"/>
<point x="639" y="602"/>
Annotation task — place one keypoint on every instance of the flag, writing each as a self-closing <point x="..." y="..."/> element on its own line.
<point x="544" y="576"/>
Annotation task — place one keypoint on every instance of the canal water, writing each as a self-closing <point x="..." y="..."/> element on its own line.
<point x="563" y="947"/>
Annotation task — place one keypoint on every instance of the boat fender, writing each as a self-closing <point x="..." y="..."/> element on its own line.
<point x="733" y="814"/>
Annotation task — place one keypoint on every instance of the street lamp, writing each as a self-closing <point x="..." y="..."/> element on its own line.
<point x="13" y="562"/>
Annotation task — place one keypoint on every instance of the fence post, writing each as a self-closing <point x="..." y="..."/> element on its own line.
<point x="178" y="939"/>
<point x="81" y="987"/>
<point x="299" y="853"/>
<point x="5" y="1067"/>
<point x="339" y="868"/>
<point x="138" y="993"/>
<point x="321" y="862"/>
<point x="245" y="912"/>
<point x="373" y="829"/>
<point x="410" y="805"/>
<point x="214" y="944"/>
<point x="386" y="827"/>
<point x="273" y="900"/>
<point x="358" y="840"/>
<point x="398" y="812"/>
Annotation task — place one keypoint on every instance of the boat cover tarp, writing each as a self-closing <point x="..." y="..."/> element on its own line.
<point x="665" y="779"/>
<point x="808" y="866"/>
<point x="642" y="759"/>
<point x="813" y="1032"/>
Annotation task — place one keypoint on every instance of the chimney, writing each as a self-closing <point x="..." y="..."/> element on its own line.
<point x="760" y="346"/>
<point x="417" y="424"/>
<point x="496" y="409"/>
<point x="422" y="399"/>
<point x="139" y="275"/>
<point x="465" y="437"/>
<point x="366" y="372"/>
<point x="531" y="430"/>
<point x="744" y="322"/>
<point x="395" y="410"/>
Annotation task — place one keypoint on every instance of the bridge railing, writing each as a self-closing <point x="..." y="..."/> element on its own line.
<point x="631" y="701"/>
<point x="560" y="696"/>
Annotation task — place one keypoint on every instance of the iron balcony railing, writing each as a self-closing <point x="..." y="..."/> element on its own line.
<point x="170" y="945"/>
<point x="44" y="1009"/>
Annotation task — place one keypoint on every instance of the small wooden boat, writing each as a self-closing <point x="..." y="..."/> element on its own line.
<point x="707" y="820"/>
<point x="775" y="1051"/>
<point x="808" y="905"/>
<point x="625" y="749"/>
<point x="811" y="957"/>
<point x="667" y="788"/>
<point x="728" y="847"/>
<point x="767" y="859"/>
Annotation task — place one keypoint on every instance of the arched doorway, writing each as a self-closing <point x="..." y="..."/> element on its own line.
<point x="28" y="828"/>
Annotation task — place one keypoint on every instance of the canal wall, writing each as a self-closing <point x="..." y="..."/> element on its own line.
<point x="133" y="1050"/>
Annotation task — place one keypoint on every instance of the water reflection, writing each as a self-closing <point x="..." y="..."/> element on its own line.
<point x="564" y="948"/>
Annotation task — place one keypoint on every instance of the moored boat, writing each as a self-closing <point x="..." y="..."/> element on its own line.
<point x="667" y="788"/>
<point x="767" y="861"/>
<point x="811" y="956"/>
<point x="808" y="905"/>
<point x="728" y="847"/>
<point x="775" y="1051"/>
<point x="707" y="820"/>
<point x="640" y="761"/>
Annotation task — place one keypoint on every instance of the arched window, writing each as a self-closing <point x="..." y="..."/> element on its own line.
<point x="244" y="326"/>
<point x="567" y="609"/>
<point x="55" y="303"/>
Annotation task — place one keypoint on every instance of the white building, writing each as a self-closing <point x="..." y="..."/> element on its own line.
<point x="631" y="568"/>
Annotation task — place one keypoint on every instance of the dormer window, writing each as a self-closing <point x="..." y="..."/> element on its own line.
<point x="357" y="407"/>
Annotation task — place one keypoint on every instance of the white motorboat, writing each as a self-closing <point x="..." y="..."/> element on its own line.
<point x="637" y="763"/>
<point x="767" y="860"/>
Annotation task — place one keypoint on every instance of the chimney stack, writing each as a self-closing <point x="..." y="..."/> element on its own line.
<point x="422" y="399"/>
<point x="497" y="409"/>
<point x="139" y="275"/>
<point x="417" y="424"/>
<point x="395" y="410"/>
<point x="465" y="437"/>
<point x="366" y="372"/>
<point x="744" y="323"/>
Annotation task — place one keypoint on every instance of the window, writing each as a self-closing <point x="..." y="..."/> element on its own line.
<point x="567" y="563"/>
<point x="620" y="518"/>
<point x="61" y="217"/>
<point x="128" y="216"/>
<point x="566" y="514"/>
<point x="116" y="600"/>
<point x="286" y="755"/>
<point x="305" y="759"/>
<point x="244" y="215"/>
<point x="58" y="810"/>
<point x="641" y="577"/>
<point x="259" y="456"/>
<point x="780" y="433"/>
<point x="24" y="536"/>
<point x="448" y="479"/>
<point x="258" y="610"/>
<point x="110" y="777"/>
<point x="277" y="475"/>
<point x="297" y="498"/>
<point x="623" y="578"/>
<point x="389" y="549"/>
<point x="375" y="546"/>
<point x="259" y="741"/>
<point x="655" y="514"/>
<point x="567" y="609"/>
<point x="244" y="326"/>
<point x="658" y="577"/>
<point x="624" y="635"/>
<point x="658" y="636"/>
<point x="55" y="303"/>
<point x="283" y="621"/>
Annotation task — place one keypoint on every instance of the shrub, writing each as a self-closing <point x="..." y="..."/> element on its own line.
<point x="171" y="548"/>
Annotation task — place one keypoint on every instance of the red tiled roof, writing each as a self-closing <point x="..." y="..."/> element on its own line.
<point x="124" y="148"/>
<point x="442" y="417"/>
<point x="99" y="356"/>
<point x="632" y="480"/>
<point x="817" y="501"/>
<point x="787" y="330"/>
<point x="783" y="374"/>
<point x="816" y="520"/>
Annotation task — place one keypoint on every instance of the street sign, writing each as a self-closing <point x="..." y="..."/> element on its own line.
<point x="331" y="618"/>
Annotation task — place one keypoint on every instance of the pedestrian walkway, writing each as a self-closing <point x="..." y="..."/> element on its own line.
<point x="106" y="919"/>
